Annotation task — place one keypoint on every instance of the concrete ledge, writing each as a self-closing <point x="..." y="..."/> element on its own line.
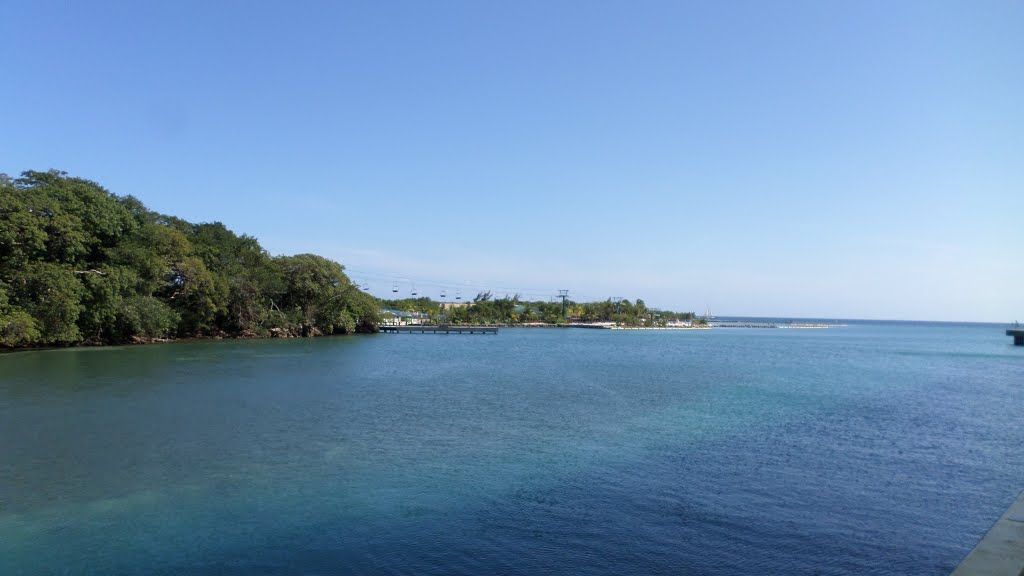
<point x="1001" y="551"/>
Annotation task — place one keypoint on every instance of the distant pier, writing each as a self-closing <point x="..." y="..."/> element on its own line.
<point x="1018" y="336"/>
<point x="441" y="329"/>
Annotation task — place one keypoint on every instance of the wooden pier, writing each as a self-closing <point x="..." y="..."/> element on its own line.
<point x="1018" y="336"/>
<point x="443" y="329"/>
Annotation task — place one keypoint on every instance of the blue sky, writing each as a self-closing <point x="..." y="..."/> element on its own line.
<point x="816" y="159"/>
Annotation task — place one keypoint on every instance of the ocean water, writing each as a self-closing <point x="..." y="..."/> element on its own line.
<point x="869" y="449"/>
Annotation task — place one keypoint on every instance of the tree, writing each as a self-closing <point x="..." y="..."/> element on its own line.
<point x="322" y="297"/>
<point x="102" y="298"/>
<point x="17" y="327"/>
<point x="79" y="217"/>
<point x="51" y="294"/>
<point x="145" y="316"/>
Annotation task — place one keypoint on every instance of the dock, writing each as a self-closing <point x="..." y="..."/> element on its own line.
<point x="440" y="329"/>
<point x="1018" y="336"/>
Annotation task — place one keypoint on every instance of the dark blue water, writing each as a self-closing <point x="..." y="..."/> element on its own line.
<point x="869" y="449"/>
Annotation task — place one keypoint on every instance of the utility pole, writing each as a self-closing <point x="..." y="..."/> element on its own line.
<point x="617" y="300"/>
<point x="563" y="294"/>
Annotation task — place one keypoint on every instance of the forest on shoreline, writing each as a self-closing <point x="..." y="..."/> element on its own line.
<point x="511" y="309"/>
<point x="82" y="266"/>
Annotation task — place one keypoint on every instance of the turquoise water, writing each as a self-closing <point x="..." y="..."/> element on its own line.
<point x="869" y="449"/>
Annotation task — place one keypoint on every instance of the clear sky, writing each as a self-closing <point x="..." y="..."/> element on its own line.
<point x="819" y="159"/>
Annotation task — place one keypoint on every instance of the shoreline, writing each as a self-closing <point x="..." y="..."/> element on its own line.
<point x="152" y="341"/>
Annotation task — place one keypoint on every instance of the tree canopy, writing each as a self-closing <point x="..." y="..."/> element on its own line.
<point x="79" y="264"/>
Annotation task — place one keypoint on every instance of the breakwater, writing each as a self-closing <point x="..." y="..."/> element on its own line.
<point x="742" y="324"/>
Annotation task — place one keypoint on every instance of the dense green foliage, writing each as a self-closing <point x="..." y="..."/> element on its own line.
<point x="81" y="265"/>
<point x="485" y="309"/>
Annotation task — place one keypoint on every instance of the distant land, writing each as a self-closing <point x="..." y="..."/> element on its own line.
<point x="82" y="266"/>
